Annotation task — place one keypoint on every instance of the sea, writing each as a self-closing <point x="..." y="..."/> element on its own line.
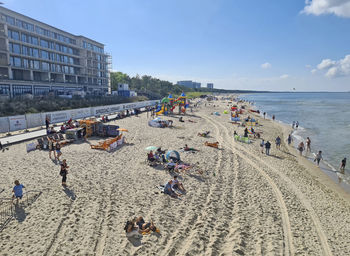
<point x="324" y="117"/>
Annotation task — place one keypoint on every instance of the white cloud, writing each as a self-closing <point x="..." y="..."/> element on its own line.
<point x="335" y="68"/>
<point x="326" y="63"/>
<point x="313" y="71"/>
<point x="266" y="65"/>
<point x="337" y="7"/>
<point x="285" y="76"/>
<point x="308" y="66"/>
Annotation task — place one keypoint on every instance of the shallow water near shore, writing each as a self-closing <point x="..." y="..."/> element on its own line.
<point x="324" y="117"/>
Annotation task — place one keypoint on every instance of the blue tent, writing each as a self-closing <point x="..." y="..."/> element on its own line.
<point x="173" y="154"/>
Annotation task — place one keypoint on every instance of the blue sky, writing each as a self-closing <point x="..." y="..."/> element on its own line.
<point x="258" y="44"/>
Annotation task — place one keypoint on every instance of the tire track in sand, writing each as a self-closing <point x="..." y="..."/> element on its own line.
<point x="303" y="200"/>
<point x="289" y="248"/>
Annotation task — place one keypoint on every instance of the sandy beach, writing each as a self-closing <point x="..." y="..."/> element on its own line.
<point x="244" y="202"/>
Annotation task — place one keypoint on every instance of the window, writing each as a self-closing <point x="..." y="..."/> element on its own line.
<point x="70" y="50"/>
<point x="45" y="66"/>
<point x="57" y="47"/>
<point x="19" y="23"/>
<point x="58" y="68"/>
<point x="36" y="64"/>
<point x="66" y="69"/>
<point x="53" y="67"/>
<point x="25" y="63"/>
<point x="52" y="56"/>
<point x="35" y="40"/>
<point x="4" y="89"/>
<point x="64" y="49"/>
<point x="41" y="90"/>
<point x="70" y="60"/>
<point x="71" y="70"/>
<point x="65" y="59"/>
<point x="30" y="27"/>
<point x="25" y="50"/>
<point x="16" y="62"/>
<point x="21" y="89"/>
<point x="24" y="38"/>
<point x="10" y="20"/>
<point x="44" y="43"/>
<point x="35" y="53"/>
<point x="13" y="34"/>
<point x="44" y="55"/>
<point x="15" y="48"/>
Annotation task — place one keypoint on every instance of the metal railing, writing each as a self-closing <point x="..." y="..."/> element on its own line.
<point x="7" y="206"/>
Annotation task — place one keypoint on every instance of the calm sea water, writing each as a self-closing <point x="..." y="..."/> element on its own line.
<point x="324" y="117"/>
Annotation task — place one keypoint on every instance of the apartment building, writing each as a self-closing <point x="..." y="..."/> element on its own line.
<point x="189" y="84"/>
<point x="38" y="59"/>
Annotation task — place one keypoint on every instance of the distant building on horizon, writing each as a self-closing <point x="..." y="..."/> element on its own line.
<point x="210" y="85"/>
<point x="189" y="84"/>
<point x="38" y="59"/>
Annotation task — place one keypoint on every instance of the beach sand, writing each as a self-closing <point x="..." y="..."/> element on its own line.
<point x="244" y="203"/>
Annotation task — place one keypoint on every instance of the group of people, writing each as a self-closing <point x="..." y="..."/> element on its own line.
<point x="138" y="226"/>
<point x="295" y="124"/>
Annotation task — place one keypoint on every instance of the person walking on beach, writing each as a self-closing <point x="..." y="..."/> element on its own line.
<point x="58" y="151"/>
<point x="301" y="148"/>
<point x="64" y="172"/>
<point x="267" y="147"/>
<point x="296" y="125"/>
<point x="318" y="158"/>
<point x="245" y="132"/>
<point x="262" y="145"/>
<point x="273" y="117"/>
<point x="308" y="145"/>
<point x="17" y="191"/>
<point x="51" y="148"/>
<point x="293" y="124"/>
<point x="278" y="142"/>
<point x="342" y="165"/>
<point x="47" y="122"/>
<point x="289" y="139"/>
<point x="264" y="114"/>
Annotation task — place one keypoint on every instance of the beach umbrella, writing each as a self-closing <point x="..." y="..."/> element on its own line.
<point x="149" y="148"/>
<point x="122" y="130"/>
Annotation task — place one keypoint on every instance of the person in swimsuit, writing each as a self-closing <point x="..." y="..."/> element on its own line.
<point x="278" y="142"/>
<point x="318" y="158"/>
<point x="308" y="145"/>
<point x="176" y="184"/>
<point x="58" y="151"/>
<point x="301" y="148"/>
<point x="143" y="226"/>
<point x="342" y="165"/>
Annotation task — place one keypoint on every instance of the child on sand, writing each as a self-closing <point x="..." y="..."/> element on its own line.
<point x="64" y="172"/>
<point x="58" y="151"/>
<point x="262" y="145"/>
<point x="18" y="191"/>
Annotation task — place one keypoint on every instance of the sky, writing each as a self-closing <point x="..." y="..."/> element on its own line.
<point x="274" y="45"/>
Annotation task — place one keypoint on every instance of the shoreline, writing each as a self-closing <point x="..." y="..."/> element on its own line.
<point x="243" y="202"/>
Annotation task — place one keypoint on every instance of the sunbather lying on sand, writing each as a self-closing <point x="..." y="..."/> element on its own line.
<point x="186" y="148"/>
<point x="204" y="134"/>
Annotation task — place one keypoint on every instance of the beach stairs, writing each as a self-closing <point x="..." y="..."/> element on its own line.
<point x="8" y="210"/>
